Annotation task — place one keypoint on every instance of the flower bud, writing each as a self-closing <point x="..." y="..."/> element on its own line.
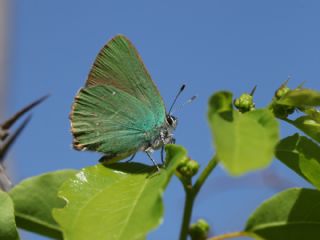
<point x="244" y="103"/>
<point x="281" y="91"/>
<point x="188" y="168"/>
<point x="199" y="230"/>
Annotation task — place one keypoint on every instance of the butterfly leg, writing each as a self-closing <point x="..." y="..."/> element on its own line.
<point x="131" y="158"/>
<point x="162" y="154"/>
<point x="153" y="161"/>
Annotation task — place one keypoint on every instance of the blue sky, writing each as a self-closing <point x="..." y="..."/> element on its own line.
<point x="208" y="45"/>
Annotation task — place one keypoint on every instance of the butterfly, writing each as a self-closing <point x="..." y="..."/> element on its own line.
<point x="120" y="111"/>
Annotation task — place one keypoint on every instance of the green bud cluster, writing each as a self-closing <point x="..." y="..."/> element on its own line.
<point x="188" y="168"/>
<point x="199" y="230"/>
<point x="244" y="103"/>
<point x="283" y="90"/>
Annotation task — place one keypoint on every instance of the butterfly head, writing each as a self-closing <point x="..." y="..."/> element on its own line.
<point x="172" y="121"/>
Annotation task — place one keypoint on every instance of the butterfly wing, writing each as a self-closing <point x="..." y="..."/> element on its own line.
<point x="111" y="121"/>
<point x="118" y="64"/>
<point x="120" y="108"/>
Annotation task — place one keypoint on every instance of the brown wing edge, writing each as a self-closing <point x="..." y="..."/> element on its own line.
<point x="108" y="157"/>
<point x="75" y="144"/>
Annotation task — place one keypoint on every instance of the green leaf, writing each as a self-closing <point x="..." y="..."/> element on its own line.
<point x="117" y="201"/>
<point x="312" y="112"/>
<point x="293" y="214"/>
<point x="300" y="97"/>
<point x="220" y="102"/>
<point x="34" y="199"/>
<point x="244" y="142"/>
<point x="8" y="228"/>
<point x="302" y="156"/>
<point x="308" y="124"/>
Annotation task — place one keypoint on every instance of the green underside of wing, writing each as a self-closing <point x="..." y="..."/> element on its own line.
<point x="118" y="64"/>
<point x="111" y="121"/>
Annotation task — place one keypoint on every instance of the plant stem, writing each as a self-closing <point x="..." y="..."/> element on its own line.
<point x="191" y="194"/>
<point x="188" y="205"/>
<point x="232" y="235"/>
<point x="206" y="172"/>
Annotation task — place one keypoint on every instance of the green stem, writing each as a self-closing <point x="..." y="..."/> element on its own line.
<point x="188" y="205"/>
<point x="191" y="194"/>
<point x="204" y="175"/>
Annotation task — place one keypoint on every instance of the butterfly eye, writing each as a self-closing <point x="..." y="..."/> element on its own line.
<point x="171" y="120"/>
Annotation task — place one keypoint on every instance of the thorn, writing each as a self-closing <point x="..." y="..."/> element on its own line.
<point x="286" y="81"/>
<point x="6" y="125"/>
<point x="253" y="90"/>
<point x="4" y="149"/>
<point x="301" y="84"/>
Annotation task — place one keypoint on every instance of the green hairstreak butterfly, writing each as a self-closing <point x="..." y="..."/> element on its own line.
<point x="120" y="111"/>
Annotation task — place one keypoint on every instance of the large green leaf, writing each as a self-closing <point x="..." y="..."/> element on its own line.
<point x="290" y="215"/>
<point x="118" y="201"/>
<point x="34" y="199"/>
<point x="301" y="155"/>
<point x="8" y="228"/>
<point x="300" y="97"/>
<point x="243" y="142"/>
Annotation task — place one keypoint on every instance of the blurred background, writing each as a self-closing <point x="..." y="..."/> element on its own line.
<point x="49" y="47"/>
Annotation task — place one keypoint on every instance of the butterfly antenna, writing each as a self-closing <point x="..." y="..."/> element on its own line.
<point x="190" y="100"/>
<point x="175" y="99"/>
